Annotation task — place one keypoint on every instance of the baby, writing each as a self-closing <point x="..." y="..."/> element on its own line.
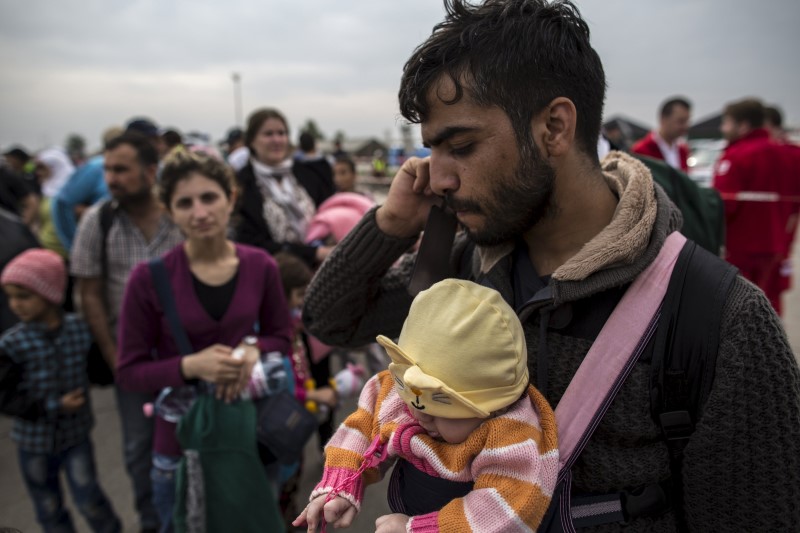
<point x="473" y="445"/>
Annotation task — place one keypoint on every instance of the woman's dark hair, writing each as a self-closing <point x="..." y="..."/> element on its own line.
<point x="181" y="164"/>
<point x="257" y="119"/>
<point x="518" y="55"/>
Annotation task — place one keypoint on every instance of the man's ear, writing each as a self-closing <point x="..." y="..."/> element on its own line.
<point x="152" y="174"/>
<point x="554" y="127"/>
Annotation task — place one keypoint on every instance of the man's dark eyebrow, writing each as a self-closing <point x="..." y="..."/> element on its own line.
<point x="445" y="134"/>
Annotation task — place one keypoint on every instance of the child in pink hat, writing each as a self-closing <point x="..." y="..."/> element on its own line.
<point x="44" y="386"/>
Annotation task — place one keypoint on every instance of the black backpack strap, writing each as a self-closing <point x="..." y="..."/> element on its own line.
<point x="107" y="214"/>
<point x="685" y="353"/>
<point x="158" y="272"/>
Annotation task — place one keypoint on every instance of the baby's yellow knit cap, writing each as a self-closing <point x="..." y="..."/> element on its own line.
<point x="461" y="352"/>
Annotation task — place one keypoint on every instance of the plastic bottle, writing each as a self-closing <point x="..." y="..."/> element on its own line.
<point x="172" y="403"/>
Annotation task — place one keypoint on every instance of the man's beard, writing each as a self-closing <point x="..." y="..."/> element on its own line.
<point x="139" y="197"/>
<point x="136" y="198"/>
<point x="516" y="202"/>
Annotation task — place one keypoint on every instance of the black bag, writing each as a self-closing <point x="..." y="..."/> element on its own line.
<point x="283" y="428"/>
<point x="97" y="367"/>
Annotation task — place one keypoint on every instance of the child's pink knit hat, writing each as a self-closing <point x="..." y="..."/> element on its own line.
<point x="40" y="271"/>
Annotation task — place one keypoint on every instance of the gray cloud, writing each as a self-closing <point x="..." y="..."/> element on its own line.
<point x="82" y="66"/>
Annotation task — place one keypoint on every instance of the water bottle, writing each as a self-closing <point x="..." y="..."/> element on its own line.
<point x="174" y="402"/>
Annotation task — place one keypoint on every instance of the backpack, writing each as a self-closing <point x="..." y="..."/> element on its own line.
<point x="99" y="372"/>
<point x="702" y="207"/>
<point x="682" y="374"/>
<point x="683" y="366"/>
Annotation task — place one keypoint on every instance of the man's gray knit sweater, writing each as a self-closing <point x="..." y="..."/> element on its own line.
<point x="742" y="464"/>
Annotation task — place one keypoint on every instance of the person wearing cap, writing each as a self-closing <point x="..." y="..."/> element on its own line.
<point x="456" y="414"/>
<point x="147" y="128"/>
<point x="44" y="385"/>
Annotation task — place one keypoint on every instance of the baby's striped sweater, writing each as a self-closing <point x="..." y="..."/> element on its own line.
<point x="512" y="459"/>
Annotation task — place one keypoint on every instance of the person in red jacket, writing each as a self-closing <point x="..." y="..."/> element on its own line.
<point x="773" y="122"/>
<point x="666" y="144"/>
<point x="758" y="226"/>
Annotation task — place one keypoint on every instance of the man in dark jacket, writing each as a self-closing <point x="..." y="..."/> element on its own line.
<point x="16" y="238"/>
<point x="510" y="95"/>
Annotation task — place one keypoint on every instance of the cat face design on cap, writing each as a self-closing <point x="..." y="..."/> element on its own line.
<point x="418" y="397"/>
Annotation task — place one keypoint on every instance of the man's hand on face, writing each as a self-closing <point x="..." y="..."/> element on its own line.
<point x="409" y="201"/>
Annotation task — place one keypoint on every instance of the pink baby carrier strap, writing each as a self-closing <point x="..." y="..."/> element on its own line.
<point x="613" y="353"/>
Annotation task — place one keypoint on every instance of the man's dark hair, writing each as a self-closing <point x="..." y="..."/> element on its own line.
<point x="669" y="105"/>
<point x="307" y="142"/>
<point x="235" y="134"/>
<point x="773" y="116"/>
<point x="172" y="138"/>
<point x="518" y="55"/>
<point x="347" y="161"/>
<point x="750" y="111"/>
<point x="145" y="151"/>
<point x="142" y="125"/>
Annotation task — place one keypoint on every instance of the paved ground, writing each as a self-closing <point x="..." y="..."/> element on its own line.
<point x="16" y="510"/>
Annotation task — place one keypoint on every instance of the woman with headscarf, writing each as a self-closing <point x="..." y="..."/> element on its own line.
<point x="53" y="169"/>
<point x="279" y="195"/>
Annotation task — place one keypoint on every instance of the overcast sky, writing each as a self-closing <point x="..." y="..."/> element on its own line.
<point x="83" y="65"/>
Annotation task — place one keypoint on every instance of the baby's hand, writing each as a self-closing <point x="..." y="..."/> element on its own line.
<point x="338" y="512"/>
<point x="72" y="401"/>
<point x="391" y="523"/>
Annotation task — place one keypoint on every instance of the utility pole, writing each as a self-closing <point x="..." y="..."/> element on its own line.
<point x="237" y="98"/>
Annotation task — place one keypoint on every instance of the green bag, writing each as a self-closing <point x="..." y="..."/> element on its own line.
<point x="702" y="207"/>
<point x="221" y="483"/>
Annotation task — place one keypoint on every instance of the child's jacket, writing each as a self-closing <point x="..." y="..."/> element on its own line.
<point x="37" y="367"/>
<point x="512" y="459"/>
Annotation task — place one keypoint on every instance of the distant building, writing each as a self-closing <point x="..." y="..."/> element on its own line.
<point x="623" y="132"/>
<point x="356" y="148"/>
<point x="708" y="128"/>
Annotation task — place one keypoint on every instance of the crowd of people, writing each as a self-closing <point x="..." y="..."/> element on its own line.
<point x="522" y="389"/>
<point x="758" y="178"/>
<point x="221" y="234"/>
